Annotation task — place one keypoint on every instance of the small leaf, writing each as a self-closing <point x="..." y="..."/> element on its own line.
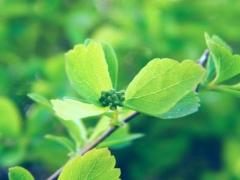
<point x="227" y="64"/>
<point x="87" y="71"/>
<point x="187" y="105"/>
<point x="19" y="173"/>
<point x="63" y="141"/>
<point x="39" y="99"/>
<point x="211" y="71"/>
<point x="112" y="62"/>
<point x="161" y="84"/>
<point x="69" y="109"/>
<point x="120" y="137"/>
<point x="97" y="164"/>
<point x="105" y="122"/>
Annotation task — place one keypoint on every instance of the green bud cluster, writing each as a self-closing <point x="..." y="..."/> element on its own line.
<point x="112" y="98"/>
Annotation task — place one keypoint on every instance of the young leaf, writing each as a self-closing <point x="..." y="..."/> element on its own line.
<point x="76" y="130"/>
<point x="95" y="164"/>
<point x="39" y="99"/>
<point x="105" y="122"/>
<point x="120" y="137"/>
<point x="67" y="143"/>
<point x="211" y="71"/>
<point x="19" y="173"/>
<point x="69" y="109"/>
<point x="87" y="70"/>
<point x="161" y="84"/>
<point x="112" y="62"/>
<point x="187" y="105"/>
<point x="227" y="64"/>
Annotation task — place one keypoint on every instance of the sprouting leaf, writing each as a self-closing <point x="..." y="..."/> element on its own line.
<point x="87" y="70"/>
<point x="227" y="64"/>
<point x="120" y="137"/>
<point x="105" y="122"/>
<point x="10" y="121"/>
<point x="67" y="143"/>
<point x="39" y="99"/>
<point x="161" y="84"/>
<point x="211" y="71"/>
<point x="219" y="41"/>
<point x="97" y="164"/>
<point x="112" y="62"/>
<point x="69" y="109"/>
<point x="187" y="105"/>
<point x="76" y="130"/>
<point x="19" y="173"/>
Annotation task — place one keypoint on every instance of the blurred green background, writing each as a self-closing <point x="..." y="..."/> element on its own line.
<point x="35" y="34"/>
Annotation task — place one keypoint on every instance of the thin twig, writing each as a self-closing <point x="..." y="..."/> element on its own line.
<point x="100" y="139"/>
<point x="203" y="62"/>
<point x="204" y="58"/>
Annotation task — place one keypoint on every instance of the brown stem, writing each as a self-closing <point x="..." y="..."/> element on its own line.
<point x="94" y="144"/>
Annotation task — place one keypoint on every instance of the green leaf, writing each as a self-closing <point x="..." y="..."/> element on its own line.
<point x="10" y="121"/>
<point x="69" y="109"/>
<point x="97" y="164"/>
<point x="112" y="62"/>
<point x="227" y="64"/>
<point x="121" y="137"/>
<point x="161" y="84"/>
<point x="77" y="131"/>
<point x="67" y="143"/>
<point x="105" y="122"/>
<point x="187" y="105"/>
<point x="39" y="99"/>
<point x="19" y="173"/>
<point x="87" y="71"/>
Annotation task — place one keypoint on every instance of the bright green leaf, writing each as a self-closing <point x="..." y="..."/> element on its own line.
<point x="63" y="141"/>
<point x="97" y="164"/>
<point x="187" y="105"/>
<point x="10" y="121"/>
<point x="87" y="70"/>
<point x="69" y="109"/>
<point x="112" y="62"/>
<point x="161" y="84"/>
<point x="19" y="173"/>
<point x="227" y="64"/>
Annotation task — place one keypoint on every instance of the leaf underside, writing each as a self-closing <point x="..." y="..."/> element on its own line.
<point x="187" y="105"/>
